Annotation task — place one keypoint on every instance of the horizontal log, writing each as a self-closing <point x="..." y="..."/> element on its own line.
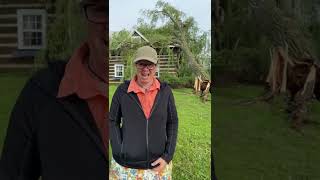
<point x="13" y="66"/>
<point x="5" y="55"/>
<point x="5" y="30"/>
<point x="20" y="6"/>
<point x="7" y="50"/>
<point x="8" y="39"/>
<point x="8" y="45"/>
<point x="13" y="16"/>
<point x="8" y="25"/>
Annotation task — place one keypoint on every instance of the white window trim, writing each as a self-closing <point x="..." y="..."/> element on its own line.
<point x="115" y="70"/>
<point x="20" y="14"/>
<point x="158" y="70"/>
<point x="137" y="38"/>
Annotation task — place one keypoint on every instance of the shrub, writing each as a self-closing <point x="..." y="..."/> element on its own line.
<point x="177" y="82"/>
<point x="244" y="64"/>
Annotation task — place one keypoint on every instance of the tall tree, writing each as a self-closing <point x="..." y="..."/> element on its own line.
<point x="67" y="31"/>
<point x="182" y="28"/>
<point x="294" y="62"/>
<point x="217" y="24"/>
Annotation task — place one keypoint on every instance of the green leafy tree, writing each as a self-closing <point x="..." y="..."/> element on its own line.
<point x="68" y="30"/>
<point x="65" y="33"/>
<point x="179" y="29"/>
<point x="192" y="42"/>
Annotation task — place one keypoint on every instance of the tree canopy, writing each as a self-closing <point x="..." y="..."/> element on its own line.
<point x="180" y="30"/>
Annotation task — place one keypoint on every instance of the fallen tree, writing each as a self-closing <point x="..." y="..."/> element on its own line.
<point x="294" y="67"/>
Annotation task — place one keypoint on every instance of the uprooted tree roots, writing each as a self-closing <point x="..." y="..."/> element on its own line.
<point x="299" y="78"/>
<point x="294" y="68"/>
<point x="202" y="88"/>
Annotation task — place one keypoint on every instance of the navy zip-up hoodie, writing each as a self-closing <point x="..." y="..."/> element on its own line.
<point x="136" y="141"/>
<point x="55" y="138"/>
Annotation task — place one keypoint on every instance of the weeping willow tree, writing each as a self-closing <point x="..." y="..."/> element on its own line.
<point x="163" y="37"/>
<point x="65" y="33"/>
<point x="294" y="66"/>
<point x="284" y="35"/>
<point x="182" y="31"/>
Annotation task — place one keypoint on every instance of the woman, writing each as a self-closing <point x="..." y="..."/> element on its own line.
<point x="143" y="124"/>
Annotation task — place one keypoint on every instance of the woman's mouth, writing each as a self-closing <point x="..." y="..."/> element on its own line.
<point x="145" y="75"/>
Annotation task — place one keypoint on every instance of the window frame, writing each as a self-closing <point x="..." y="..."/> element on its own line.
<point x="158" y="71"/>
<point x="35" y="12"/>
<point x="115" y="70"/>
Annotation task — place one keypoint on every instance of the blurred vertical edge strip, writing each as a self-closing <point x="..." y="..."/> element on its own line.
<point x="107" y="69"/>
<point x="213" y="171"/>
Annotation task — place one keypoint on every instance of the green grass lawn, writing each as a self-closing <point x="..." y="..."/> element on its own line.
<point x="251" y="142"/>
<point x="192" y="156"/>
<point x="10" y="87"/>
<point x="254" y="142"/>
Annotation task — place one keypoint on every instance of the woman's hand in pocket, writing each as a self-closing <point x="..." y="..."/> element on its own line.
<point x="162" y="164"/>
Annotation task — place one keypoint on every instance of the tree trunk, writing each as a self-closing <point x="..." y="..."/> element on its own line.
<point x="196" y="67"/>
<point x="217" y="25"/>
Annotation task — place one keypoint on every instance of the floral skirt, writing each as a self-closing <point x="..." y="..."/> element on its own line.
<point x="118" y="172"/>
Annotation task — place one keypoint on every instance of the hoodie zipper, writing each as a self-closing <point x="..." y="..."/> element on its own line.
<point x="155" y="103"/>
<point x="147" y="127"/>
<point x="134" y="99"/>
<point x="147" y="140"/>
<point x="121" y="151"/>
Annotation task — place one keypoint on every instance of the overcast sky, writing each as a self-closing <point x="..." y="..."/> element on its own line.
<point x="124" y="14"/>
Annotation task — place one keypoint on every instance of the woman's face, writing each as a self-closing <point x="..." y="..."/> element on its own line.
<point x="97" y="20"/>
<point x="146" y="71"/>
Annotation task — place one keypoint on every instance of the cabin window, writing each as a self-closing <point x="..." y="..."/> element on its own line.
<point x="118" y="70"/>
<point x="158" y="71"/>
<point x="31" y="28"/>
<point x="136" y="39"/>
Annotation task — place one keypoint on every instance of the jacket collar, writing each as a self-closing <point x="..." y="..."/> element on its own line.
<point x="125" y="85"/>
<point x="48" y="80"/>
<point x="78" y="79"/>
<point x="134" y="87"/>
